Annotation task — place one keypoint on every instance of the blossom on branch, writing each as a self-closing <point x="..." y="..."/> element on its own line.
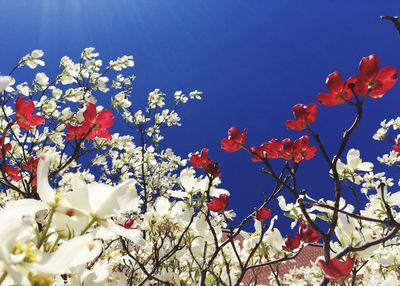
<point x="25" y="117"/>
<point x="335" y="269"/>
<point x="94" y="125"/>
<point x="307" y="233"/>
<point x="97" y="123"/>
<point x="235" y="140"/>
<point x="397" y="146"/>
<point x="262" y="214"/>
<point x="340" y="91"/>
<point x="5" y="81"/>
<point x="304" y="115"/>
<point x="291" y="243"/>
<point x="13" y="172"/>
<point x="286" y="149"/>
<point x="373" y="80"/>
<point x="218" y="204"/>
<point x="354" y="163"/>
<point x="31" y="167"/>
<point x="200" y="161"/>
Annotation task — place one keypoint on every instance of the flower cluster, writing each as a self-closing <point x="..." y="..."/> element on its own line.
<point x="286" y="149"/>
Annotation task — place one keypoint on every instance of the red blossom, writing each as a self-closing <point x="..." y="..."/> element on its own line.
<point x="97" y="123"/>
<point x="128" y="223"/>
<point x="218" y="204"/>
<point x="272" y="149"/>
<point x="291" y="243"/>
<point x="75" y="132"/>
<point x="31" y="167"/>
<point x="287" y="149"/>
<point x="307" y="233"/>
<point x="304" y="115"/>
<point x="25" y="117"/>
<point x="201" y="161"/>
<point x="13" y="172"/>
<point x="372" y="80"/>
<point x="303" y="147"/>
<point x="339" y="90"/>
<point x="397" y="146"/>
<point x="298" y="150"/>
<point x="235" y="140"/>
<point x="336" y="270"/>
<point x="213" y="169"/>
<point x="262" y="214"/>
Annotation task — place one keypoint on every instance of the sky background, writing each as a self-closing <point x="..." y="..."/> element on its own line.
<point x="253" y="60"/>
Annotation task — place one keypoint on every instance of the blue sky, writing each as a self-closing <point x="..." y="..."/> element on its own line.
<point x="253" y="60"/>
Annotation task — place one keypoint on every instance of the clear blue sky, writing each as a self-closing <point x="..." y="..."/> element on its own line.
<point x="253" y="60"/>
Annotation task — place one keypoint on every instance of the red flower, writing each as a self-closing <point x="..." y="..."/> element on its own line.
<point x="272" y="149"/>
<point x="298" y="150"/>
<point x="303" y="147"/>
<point x="234" y="141"/>
<point x="25" y="119"/>
<point x="287" y="149"/>
<point x="128" y="223"/>
<point x="213" y="169"/>
<point x="75" y="132"/>
<point x="218" y="204"/>
<point x="307" y="233"/>
<point x="339" y="90"/>
<point x="97" y="123"/>
<point x="397" y="146"/>
<point x="336" y="270"/>
<point x="13" y="172"/>
<point x="31" y="167"/>
<point x="291" y="243"/>
<point x="262" y="214"/>
<point x="201" y="161"/>
<point x="373" y="80"/>
<point x="304" y="116"/>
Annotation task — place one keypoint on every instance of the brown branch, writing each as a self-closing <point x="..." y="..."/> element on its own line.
<point x="394" y="20"/>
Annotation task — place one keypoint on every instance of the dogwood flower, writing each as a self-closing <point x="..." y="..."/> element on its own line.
<point x="88" y="204"/>
<point x="339" y="90"/>
<point x="32" y="60"/>
<point x="235" y="140"/>
<point x="304" y="115"/>
<point x="373" y="80"/>
<point x="354" y="163"/>
<point x="5" y="81"/>
<point x="335" y="269"/>
<point x="25" y="119"/>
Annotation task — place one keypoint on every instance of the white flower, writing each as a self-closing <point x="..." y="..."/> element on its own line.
<point x="32" y="60"/>
<point x="373" y="181"/>
<point x="121" y="100"/>
<point x="23" y="88"/>
<point x="390" y="159"/>
<point x="89" y="203"/>
<point x="354" y="163"/>
<point x="382" y="132"/>
<point x="84" y="249"/>
<point x="17" y="252"/>
<point x="156" y="98"/>
<point x="42" y="79"/>
<point x="88" y="53"/>
<point x="122" y="63"/>
<point x="5" y="81"/>
<point x="195" y="94"/>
